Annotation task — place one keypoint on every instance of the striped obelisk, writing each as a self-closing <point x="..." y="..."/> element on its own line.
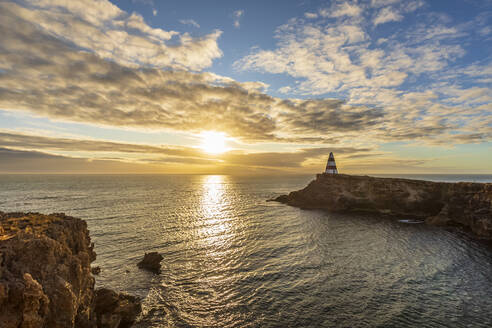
<point x="331" y="166"/>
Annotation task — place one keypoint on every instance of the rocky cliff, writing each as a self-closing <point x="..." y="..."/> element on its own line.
<point x="45" y="278"/>
<point x="465" y="204"/>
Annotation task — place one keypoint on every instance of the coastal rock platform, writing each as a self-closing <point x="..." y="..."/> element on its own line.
<point x="463" y="204"/>
<point x="45" y="276"/>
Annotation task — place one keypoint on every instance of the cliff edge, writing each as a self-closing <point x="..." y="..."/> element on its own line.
<point x="45" y="277"/>
<point x="464" y="203"/>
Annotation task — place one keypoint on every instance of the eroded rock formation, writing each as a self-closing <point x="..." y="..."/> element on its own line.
<point x="45" y="277"/>
<point x="115" y="310"/>
<point x="466" y="204"/>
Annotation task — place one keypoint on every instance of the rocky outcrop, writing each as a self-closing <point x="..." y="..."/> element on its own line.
<point x="45" y="274"/>
<point x="151" y="262"/>
<point x="115" y="310"/>
<point x="465" y="204"/>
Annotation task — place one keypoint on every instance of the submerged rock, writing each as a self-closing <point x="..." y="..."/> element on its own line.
<point x="151" y="262"/>
<point x="45" y="275"/>
<point x="439" y="203"/>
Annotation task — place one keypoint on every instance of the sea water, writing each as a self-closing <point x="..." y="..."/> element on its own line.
<point x="231" y="259"/>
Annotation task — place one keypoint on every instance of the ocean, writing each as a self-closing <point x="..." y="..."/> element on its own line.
<point x="231" y="259"/>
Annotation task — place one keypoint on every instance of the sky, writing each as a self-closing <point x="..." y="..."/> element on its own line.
<point x="245" y="87"/>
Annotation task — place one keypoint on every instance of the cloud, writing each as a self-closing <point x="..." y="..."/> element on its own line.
<point x="322" y="57"/>
<point x="386" y="15"/>
<point x="342" y="9"/>
<point x="37" y="142"/>
<point x="383" y="77"/>
<point x="485" y="31"/>
<point x="189" y="22"/>
<point x="382" y="3"/>
<point x="411" y="6"/>
<point x="147" y="3"/>
<point x="388" y="164"/>
<point x="404" y="6"/>
<point x="289" y="159"/>
<point x="20" y="147"/>
<point x="237" y="16"/>
<point x="472" y="95"/>
<point x="328" y="115"/>
<point x="19" y="161"/>
<point x="50" y="77"/>
<point x="105" y="30"/>
<point x="285" y="89"/>
<point x="436" y="32"/>
<point x="303" y="161"/>
<point x="311" y="15"/>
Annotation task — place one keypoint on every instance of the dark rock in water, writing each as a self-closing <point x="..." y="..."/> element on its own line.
<point x="96" y="270"/>
<point x="151" y="262"/>
<point x="439" y="203"/>
<point x="282" y="199"/>
<point x="115" y="310"/>
<point x="45" y="274"/>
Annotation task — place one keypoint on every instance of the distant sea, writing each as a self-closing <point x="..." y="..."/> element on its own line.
<point x="231" y="259"/>
<point x="482" y="178"/>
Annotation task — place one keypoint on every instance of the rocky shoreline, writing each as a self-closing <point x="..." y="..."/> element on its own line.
<point x="438" y="203"/>
<point x="46" y="280"/>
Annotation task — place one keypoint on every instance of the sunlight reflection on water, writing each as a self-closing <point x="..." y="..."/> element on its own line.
<point x="233" y="260"/>
<point x="213" y="195"/>
<point x="215" y="228"/>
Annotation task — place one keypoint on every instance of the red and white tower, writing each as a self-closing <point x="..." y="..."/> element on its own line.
<point x="331" y="166"/>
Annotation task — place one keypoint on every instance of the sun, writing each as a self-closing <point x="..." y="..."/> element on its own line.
<point x="213" y="142"/>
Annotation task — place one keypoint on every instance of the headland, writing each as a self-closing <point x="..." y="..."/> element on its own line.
<point x="463" y="204"/>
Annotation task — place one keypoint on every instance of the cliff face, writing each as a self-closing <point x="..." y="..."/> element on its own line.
<point x="465" y="204"/>
<point x="45" y="278"/>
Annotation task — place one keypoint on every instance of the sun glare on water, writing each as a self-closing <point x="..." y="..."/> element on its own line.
<point x="214" y="142"/>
